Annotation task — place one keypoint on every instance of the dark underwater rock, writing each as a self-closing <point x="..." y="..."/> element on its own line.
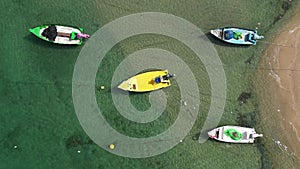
<point x="244" y="97"/>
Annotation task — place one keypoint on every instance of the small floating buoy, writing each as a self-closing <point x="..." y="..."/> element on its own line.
<point x="15" y="147"/>
<point x="180" y="141"/>
<point x="102" y="87"/>
<point x="111" y="146"/>
<point x="78" y="151"/>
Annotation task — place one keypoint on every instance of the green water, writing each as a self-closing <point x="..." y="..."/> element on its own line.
<point x="36" y="109"/>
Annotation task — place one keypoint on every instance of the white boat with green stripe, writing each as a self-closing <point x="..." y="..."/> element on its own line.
<point x="60" y="34"/>
<point x="234" y="134"/>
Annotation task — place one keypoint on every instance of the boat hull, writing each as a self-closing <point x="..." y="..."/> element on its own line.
<point x="236" y="35"/>
<point x="63" y="36"/>
<point x="145" y="82"/>
<point x="243" y="134"/>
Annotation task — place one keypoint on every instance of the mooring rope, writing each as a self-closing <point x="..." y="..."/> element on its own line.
<point x="270" y="43"/>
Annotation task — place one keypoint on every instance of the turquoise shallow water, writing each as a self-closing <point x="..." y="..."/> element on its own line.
<point x="36" y="108"/>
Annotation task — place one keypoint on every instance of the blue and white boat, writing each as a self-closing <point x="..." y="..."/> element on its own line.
<point x="235" y="35"/>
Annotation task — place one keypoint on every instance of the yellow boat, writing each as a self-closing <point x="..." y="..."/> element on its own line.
<point x="148" y="81"/>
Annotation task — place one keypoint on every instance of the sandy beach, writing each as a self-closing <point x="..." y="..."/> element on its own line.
<point x="282" y="57"/>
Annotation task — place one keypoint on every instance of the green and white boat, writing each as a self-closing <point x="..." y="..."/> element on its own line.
<point x="60" y="34"/>
<point x="234" y="134"/>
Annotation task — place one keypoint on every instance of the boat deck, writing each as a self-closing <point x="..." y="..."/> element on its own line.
<point x="219" y="33"/>
<point x="145" y="82"/>
<point x="63" y="35"/>
<point x="248" y="134"/>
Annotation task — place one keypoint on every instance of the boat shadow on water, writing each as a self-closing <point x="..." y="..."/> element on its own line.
<point x="41" y="43"/>
<point x="202" y="135"/>
<point x="116" y="90"/>
<point x="216" y="41"/>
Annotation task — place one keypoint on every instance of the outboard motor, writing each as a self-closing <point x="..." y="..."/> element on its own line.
<point x="257" y="135"/>
<point x="82" y="35"/>
<point x="258" y="37"/>
<point x="168" y="76"/>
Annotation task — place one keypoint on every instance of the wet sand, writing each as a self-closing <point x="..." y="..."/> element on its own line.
<point x="282" y="57"/>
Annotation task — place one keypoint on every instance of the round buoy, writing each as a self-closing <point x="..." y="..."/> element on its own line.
<point x="180" y="141"/>
<point x="111" y="146"/>
<point x="78" y="151"/>
<point x="15" y="146"/>
<point x="102" y="87"/>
